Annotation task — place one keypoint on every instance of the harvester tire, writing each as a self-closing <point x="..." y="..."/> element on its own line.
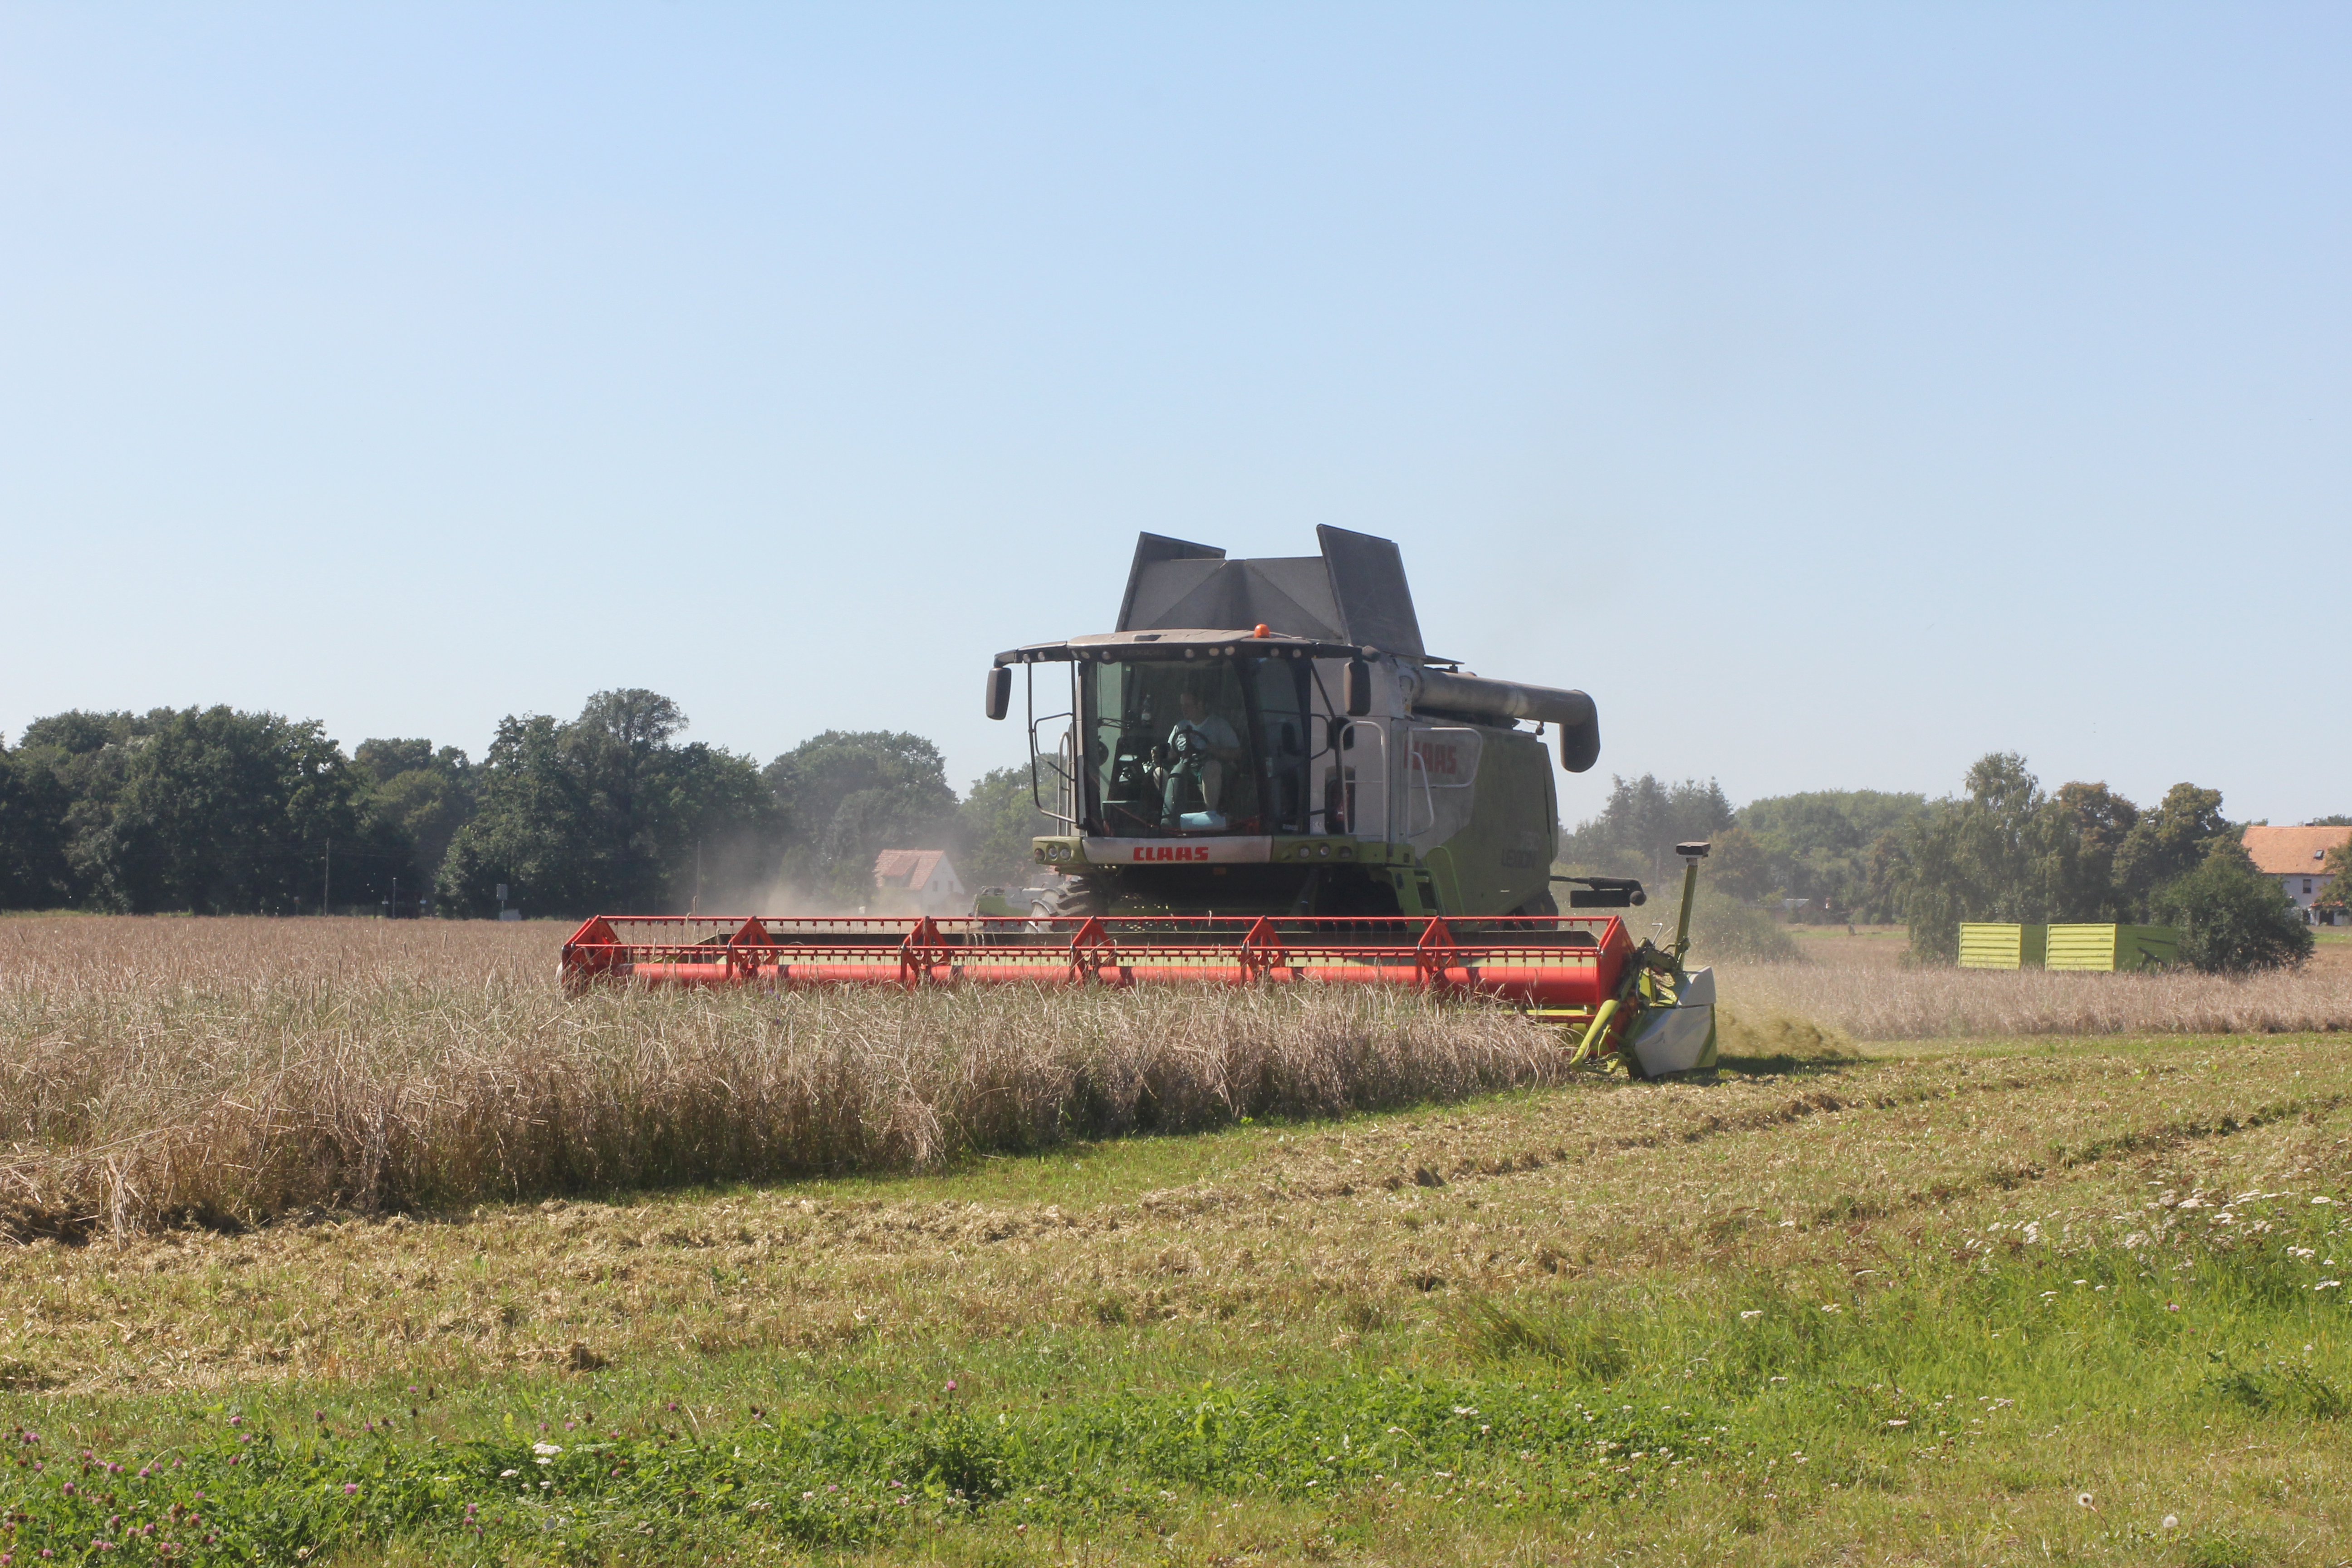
<point x="1077" y="899"/>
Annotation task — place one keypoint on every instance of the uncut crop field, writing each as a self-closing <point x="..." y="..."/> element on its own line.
<point x="1854" y="986"/>
<point x="358" y="1240"/>
<point x="230" y="1072"/>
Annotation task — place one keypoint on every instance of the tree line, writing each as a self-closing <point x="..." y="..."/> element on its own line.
<point x="2001" y="848"/>
<point x="217" y="811"/>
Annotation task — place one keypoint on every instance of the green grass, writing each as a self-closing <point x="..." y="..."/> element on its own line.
<point x="238" y="1487"/>
<point x="1736" y="1407"/>
<point x="1760" y="1397"/>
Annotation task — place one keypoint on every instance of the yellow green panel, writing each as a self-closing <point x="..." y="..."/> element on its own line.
<point x="2113" y="947"/>
<point x="2081" y="947"/>
<point x="1995" y="944"/>
<point x="1988" y="944"/>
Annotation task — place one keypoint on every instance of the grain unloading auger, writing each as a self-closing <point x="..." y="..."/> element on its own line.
<point x="1262" y="778"/>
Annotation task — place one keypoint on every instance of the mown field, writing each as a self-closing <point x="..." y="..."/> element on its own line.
<point x="1190" y="1280"/>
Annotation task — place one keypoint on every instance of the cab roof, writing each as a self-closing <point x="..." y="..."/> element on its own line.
<point x="1179" y="643"/>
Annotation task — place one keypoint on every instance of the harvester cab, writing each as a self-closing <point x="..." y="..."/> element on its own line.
<point x="1262" y="778"/>
<point x="1270" y="737"/>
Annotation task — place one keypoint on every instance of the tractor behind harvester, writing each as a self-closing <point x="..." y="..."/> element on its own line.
<point x="1261" y="777"/>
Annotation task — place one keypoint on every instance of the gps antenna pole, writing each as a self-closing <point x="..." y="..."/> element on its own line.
<point x="1691" y="855"/>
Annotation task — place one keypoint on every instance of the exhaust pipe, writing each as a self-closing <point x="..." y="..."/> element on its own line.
<point x="1579" y="723"/>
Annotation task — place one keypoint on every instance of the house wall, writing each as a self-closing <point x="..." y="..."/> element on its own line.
<point x="942" y="892"/>
<point x="2305" y="887"/>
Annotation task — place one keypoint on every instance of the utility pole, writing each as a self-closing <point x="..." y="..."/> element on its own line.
<point x="326" y="879"/>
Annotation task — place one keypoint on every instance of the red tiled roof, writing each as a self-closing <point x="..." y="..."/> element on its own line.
<point x="906" y="868"/>
<point x="2292" y="851"/>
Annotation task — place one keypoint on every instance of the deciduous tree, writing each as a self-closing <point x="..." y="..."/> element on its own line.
<point x="2232" y="919"/>
<point x="209" y="810"/>
<point x="34" y="874"/>
<point x="995" y="827"/>
<point x="846" y="796"/>
<point x="2167" y="843"/>
<point x="1645" y="818"/>
<point x="604" y="814"/>
<point x="1738" y="867"/>
<point x="427" y="794"/>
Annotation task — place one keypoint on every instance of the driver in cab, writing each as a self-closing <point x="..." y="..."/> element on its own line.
<point x="1200" y="745"/>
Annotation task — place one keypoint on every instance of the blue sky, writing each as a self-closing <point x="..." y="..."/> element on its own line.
<point x="1834" y="393"/>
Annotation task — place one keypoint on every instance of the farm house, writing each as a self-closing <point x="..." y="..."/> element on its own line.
<point x="925" y="879"/>
<point x="2297" y="857"/>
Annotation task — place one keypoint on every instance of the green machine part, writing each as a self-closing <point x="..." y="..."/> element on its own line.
<point x="1664" y="1011"/>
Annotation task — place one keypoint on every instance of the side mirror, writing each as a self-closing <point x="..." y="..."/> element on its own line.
<point x="1579" y="735"/>
<point x="1000" y="690"/>
<point x="1359" y="688"/>
<point x="1604" y="893"/>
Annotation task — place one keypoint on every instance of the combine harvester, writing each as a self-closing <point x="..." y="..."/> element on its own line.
<point x="1262" y="778"/>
